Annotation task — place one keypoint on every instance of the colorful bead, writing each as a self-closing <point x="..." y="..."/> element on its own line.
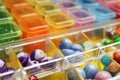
<point x="106" y="60"/>
<point x="113" y="67"/>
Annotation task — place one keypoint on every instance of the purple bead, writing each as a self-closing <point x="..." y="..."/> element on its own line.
<point x="66" y="44"/>
<point x="9" y="75"/>
<point x="24" y="58"/>
<point x="37" y="55"/>
<point x="35" y="69"/>
<point x="2" y="65"/>
<point x="49" y="65"/>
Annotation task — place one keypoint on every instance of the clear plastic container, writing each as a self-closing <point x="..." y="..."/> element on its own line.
<point x="113" y="5"/>
<point x="88" y="3"/>
<point x="14" y="3"/>
<point x="46" y="8"/>
<point x="9" y="30"/>
<point x="102" y="13"/>
<point x="19" y="12"/>
<point x="5" y="15"/>
<point x="67" y="5"/>
<point x="33" y="26"/>
<point x="82" y="17"/>
<point x="59" y="21"/>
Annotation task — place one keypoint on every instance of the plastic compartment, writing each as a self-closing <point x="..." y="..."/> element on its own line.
<point x="48" y="67"/>
<point x="75" y="56"/>
<point x="102" y="13"/>
<point x="88" y="3"/>
<point x="82" y="17"/>
<point x="9" y="30"/>
<point x="12" y="64"/>
<point x="33" y="26"/>
<point x="103" y="35"/>
<point x="46" y="8"/>
<point x="13" y="3"/>
<point x="34" y="2"/>
<point x="59" y="21"/>
<point x="113" y="5"/>
<point x="5" y="15"/>
<point x="19" y="12"/>
<point x="101" y="65"/>
<point x="67" y="5"/>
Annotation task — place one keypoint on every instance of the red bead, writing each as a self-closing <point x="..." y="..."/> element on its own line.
<point x="33" y="78"/>
<point x="116" y="56"/>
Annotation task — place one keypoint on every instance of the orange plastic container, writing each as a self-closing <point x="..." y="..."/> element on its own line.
<point x="33" y="26"/>
<point x="19" y="12"/>
<point x="14" y="3"/>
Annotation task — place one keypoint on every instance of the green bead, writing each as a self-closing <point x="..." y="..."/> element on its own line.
<point x="107" y="41"/>
<point x="106" y="68"/>
<point x="106" y="60"/>
<point x="117" y="39"/>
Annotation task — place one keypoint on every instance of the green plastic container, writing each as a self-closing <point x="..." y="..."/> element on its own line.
<point x="9" y="31"/>
<point x="5" y="15"/>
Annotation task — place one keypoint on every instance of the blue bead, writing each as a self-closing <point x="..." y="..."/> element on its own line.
<point x="77" y="47"/>
<point x="90" y="71"/>
<point x="66" y="44"/>
<point x="79" y="57"/>
<point x="81" y="72"/>
<point x="106" y="60"/>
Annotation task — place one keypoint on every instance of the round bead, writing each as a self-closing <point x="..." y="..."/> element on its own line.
<point x="91" y="71"/>
<point x="24" y="58"/>
<point x="77" y="47"/>
<point x="66" y="44"/>
<point x="103" y="75"/>
<point x="106" y="68"/>
<point x="37" y="55"/>
<point x="35" y="69"/>
<point x="81" y="72"/>
<point x="107" y="41"/>
<point x="67" y="52"/>
<point x="113" y="67"/>
<point x="49" y="65"/>
<point x="79" y="57"/>
<point x="3" y="65"/>
<point x="106" y="60"/>
<point x="116" y="56"/>
<point x="117" y="39"/>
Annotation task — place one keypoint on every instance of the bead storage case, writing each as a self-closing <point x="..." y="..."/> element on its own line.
<point x="9" y="30"/>
<point x="46" y="8"/>
<point x="5" y="15"/>
<point x="19" y="12"/>
<point x="59" y="21"/>
<point x="73" y="44"/>
<point x="100" y="68"/>
<point x="50" y="64"/>
<point x="67" y="5"/>
<point x="82" y="17"/>
<point x="113" y="5"/>
<point x="13" y="3"/>
<point x="103" y="36"/>
<point x="8" y="59"/>
<point x="33" y="26"/>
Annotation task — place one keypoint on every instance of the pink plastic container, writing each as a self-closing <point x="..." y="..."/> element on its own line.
<point x="82" y="17"/>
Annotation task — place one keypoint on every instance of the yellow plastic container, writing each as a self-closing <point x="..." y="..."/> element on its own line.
<point x="34" y="2"/>
<point x="46" y="8"/>
<point x="59" y="21"/>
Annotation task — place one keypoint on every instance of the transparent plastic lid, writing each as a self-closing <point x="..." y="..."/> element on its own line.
<point x="9" y="29"/>
<point x="46" y="8"/>
<point x="81" y="15"/>
<point x="5" y="15"/>
<point x="59" y="20"/>
<point x="33" y="24"/>
<point x="23" y="11"/>
<point x="103" y="12"/>
<point x="68" y="4"/>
